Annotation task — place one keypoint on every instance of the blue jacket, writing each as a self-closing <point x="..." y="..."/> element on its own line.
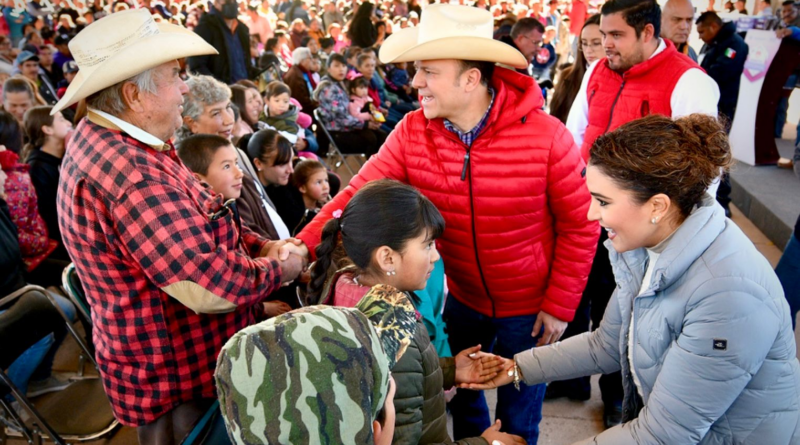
<point x="713" y="346"/>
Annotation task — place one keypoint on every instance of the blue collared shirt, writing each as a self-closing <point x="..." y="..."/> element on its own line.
<point x="469" y="137"/>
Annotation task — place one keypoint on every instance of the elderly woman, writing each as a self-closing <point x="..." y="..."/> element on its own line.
<point x="206" y="109"/>
<point x="166" y="281"/>
<point x="698" y="324"/>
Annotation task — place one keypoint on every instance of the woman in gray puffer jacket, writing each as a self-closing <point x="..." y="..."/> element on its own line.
<point x="698" y="324"/>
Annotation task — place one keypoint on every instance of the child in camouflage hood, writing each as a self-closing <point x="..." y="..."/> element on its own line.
<point x="316" y="375"/>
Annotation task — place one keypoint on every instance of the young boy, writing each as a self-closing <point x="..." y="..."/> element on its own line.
<point x="212" y="159"/>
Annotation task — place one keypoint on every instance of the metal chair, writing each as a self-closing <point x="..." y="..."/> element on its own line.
<point x="81" y="412"/>
<point x="207" y="429"/>
<point x="361" y="158"/>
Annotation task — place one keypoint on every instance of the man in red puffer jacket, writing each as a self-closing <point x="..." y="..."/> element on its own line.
<point x="507" y="178"/>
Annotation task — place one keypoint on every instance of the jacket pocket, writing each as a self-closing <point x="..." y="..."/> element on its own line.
<point x="224" y="229"/>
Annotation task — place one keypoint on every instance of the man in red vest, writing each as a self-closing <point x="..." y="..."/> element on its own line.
<point x="642" y="74"/>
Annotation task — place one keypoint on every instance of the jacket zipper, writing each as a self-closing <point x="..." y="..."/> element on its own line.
<point x="611" y="115"/>
<point x="466" y="170"/>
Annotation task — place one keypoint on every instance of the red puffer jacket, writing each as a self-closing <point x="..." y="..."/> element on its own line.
<point x="517" y="239"/>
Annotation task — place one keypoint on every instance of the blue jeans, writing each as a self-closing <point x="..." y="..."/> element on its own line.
<point x="313" y="145"/>
<point x="788" y="271"/>
<point x="39" y="367"/>
<point x="25" y="365"/>
<point x="519" y="411"/>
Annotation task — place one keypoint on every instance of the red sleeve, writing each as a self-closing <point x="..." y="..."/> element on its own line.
<point x="162" y="231"/>
<point x="253" y="242"/>
<point x="576" y="236"/>
<point x="389" y="162"/>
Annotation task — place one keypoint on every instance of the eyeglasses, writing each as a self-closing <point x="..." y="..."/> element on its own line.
<point x="535" y="43"/>
<point x="595" y="45"/>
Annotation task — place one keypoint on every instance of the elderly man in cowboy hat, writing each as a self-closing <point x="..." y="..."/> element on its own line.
<point x="168" y="269"/>
<point x="507" y="178"/>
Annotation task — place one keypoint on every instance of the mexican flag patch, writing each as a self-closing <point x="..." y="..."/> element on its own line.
<point x="730" y="53"/>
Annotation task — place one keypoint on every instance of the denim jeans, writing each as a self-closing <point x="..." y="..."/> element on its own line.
<point x="22" y="369"/>
<point x="519" y="411"/>
<point x="311" y="140"/>
<point x="788" y="271"/>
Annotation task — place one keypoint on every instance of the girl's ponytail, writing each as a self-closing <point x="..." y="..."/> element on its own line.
<point x="325" y="257"/>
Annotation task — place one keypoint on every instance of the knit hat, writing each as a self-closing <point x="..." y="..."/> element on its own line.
<point x="314" y="375"/>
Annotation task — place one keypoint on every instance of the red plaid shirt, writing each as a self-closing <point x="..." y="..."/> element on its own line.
<point x="135" y="221"/>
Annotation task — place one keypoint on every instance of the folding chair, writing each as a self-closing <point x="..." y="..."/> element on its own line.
<point x="57" y="415"/>
<point x="360" y="157"/>
<point x="207" y="429"/>
<point x="74" y="290"/>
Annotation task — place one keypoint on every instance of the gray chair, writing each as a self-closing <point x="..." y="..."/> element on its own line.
<point x="333" y="150"/>
<point x="81" y="412"/>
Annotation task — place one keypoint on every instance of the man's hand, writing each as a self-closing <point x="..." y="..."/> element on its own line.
<point x="292" y="267"/>
<point x="783" y="33"/>
<point x="499" y="379"/>
<point x="372" y="125"/>
<point x="553" y="328"/>
<point x="280" y="250"/>
<point x="494" y="436"/>
<point x="275" y="308"/>
<point x="474" y="366"/>
<point x="292" y="253"/>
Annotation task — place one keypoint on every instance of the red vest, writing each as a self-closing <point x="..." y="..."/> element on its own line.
<point x="644" y="89"/>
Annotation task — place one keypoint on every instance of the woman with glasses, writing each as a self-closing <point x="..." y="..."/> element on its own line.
<point x="590" y="49"/>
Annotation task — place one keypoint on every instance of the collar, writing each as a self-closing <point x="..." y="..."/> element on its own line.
<point x="661" y="47"/>
<point x="472" y="134"/>
<point x="106" y="120"/>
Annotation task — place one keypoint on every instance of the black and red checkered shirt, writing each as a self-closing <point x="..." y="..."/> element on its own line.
<point x="135" y="221"/>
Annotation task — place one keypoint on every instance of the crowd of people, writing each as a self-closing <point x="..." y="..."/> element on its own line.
<point x="545" y="197"/>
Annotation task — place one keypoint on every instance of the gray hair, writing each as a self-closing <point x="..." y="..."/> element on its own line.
<point x="203" y="91"/>
<point x="110" y="99"/>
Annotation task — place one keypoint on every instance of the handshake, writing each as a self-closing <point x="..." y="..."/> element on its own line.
<point x="291" y="253"/>
<point x="478" y="370"/>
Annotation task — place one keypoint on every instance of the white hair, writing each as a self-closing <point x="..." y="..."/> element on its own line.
<point x="300" y="54"/>
<point x="110" y="99"/>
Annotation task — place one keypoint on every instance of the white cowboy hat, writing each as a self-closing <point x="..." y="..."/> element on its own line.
<point x="122" y="45"/>
<point x="451" y="32"/>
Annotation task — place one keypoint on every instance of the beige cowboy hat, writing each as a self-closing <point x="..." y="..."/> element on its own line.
<point x="122" y="45"/>
<point x="450" y="32"/>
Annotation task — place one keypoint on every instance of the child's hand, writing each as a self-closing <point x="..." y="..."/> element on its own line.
<point x="275" y="308"/>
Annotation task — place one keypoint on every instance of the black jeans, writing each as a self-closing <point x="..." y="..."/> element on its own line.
<point x="599" y="288"/>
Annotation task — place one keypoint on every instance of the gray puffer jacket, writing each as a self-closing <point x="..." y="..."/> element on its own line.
<point x="713" y="346"/>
